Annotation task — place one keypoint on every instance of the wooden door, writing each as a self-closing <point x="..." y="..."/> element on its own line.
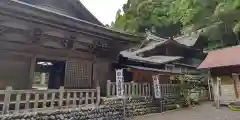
<point x="102" y="73"/>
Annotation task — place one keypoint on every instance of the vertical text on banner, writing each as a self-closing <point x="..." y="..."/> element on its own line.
<point x="119" y="82"/>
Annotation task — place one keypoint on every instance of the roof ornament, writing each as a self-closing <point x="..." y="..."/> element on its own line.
<point x="151" y="36"/>
<point x="69" y="42"/>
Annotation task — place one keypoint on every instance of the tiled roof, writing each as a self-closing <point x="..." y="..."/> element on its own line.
<point x="152" y="59"/>
<point x="26" y="11"/>
<point x="152" y="41"/>
<point x="188" y="40"/>
<point x="150" y="46"/>
<point x="222" y="57"/>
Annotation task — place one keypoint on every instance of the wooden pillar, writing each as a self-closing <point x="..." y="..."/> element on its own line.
<point x="95" y="74"/>
<point x="209" y="85"/>
<point x="94" y="81"/>
<point x="218" y="92"/>
<point x="236" y="83"/>
<point x="32" y="70"/>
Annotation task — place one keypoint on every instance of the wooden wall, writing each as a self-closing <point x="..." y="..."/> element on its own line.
<point x="14" y="71"/>
<point x="81" y="70"/>
<point x="225" y="71"/>
<point x="228" y="91"/>
<point x="230" y="84"/>
<point x="103" y="71"/>
<point x="146" y="76"/>
<point x="237" y="84"/>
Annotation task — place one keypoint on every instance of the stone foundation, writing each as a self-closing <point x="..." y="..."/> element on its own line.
<point x="110" y="109"/>
<point x="103" y="113"/>
<point x="135" y="106"/>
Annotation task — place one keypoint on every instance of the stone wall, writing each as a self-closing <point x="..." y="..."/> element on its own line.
<point x="110" y="109"/>
<point x="103" y="113"/>
<point x="135" y="106"/>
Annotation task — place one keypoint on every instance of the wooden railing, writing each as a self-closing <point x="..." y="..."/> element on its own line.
<point x="168" y="90"/>
<point x="130" y="89"/>
<point x="17" y="101"/>
<point x="142" y="89"/>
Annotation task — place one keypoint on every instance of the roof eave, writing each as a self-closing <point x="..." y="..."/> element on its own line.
<point x="32" y="13"/>
<point x="80" y="5"/>
<point x="184" y="46"/>
<point x="156" y="70"/>
<point x="185" y="65"/>
<point x="155" y="62"/>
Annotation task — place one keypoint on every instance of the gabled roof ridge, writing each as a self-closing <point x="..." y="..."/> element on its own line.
<point x="152" y="36"/>
<point x="158" y="42"/>
<point x="189" y="34"/>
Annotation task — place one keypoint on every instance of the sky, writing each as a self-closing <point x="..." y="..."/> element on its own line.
<point x="104" y="10"/>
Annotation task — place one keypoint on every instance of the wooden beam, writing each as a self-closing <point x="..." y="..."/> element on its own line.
<point x="41" y="50"/>
<point x="41" y="37"/>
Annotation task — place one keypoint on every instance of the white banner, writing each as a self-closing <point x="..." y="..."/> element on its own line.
<point x="156" y="86"/>
<point x="119" y="82"/>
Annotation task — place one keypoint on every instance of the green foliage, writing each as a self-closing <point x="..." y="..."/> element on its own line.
<point x="220" y="19"/>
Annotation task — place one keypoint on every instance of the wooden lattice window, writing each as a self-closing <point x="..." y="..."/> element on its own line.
<point x="78" y="74"/>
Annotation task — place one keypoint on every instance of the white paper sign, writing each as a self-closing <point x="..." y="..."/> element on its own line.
<point x="156" y="86"/>
<point x="119" y="82"/>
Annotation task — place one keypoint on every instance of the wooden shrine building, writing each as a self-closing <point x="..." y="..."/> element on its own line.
<point x="166" y="57"/>
<point x="59" y="38"/>
<point x="224" y="71"/>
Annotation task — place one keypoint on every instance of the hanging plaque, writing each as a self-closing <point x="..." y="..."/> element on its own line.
<point x="156" y="86"/>
<point x="119" y="82"/>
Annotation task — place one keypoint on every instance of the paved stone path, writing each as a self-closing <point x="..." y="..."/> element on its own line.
<point x="202" y="112"/>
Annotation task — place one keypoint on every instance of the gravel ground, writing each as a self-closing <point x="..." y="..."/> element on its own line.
<point x="202" y="112"/>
